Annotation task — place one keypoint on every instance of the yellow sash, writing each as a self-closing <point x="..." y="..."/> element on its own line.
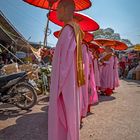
<point x="79" y="35"/>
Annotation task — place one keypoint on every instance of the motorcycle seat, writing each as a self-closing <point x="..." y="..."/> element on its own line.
<point x="7" y="78"/>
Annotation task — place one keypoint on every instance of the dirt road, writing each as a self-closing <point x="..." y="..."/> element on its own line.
<point x="114" y="118"/>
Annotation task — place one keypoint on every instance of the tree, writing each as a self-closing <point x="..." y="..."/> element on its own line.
<point x="109" y="33"/>
<point x="128" y="42"/>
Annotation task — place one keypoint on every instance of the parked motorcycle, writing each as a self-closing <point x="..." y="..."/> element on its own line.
<point x="15" y="89"/>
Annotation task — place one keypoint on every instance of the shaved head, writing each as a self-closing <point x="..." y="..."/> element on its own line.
<point x="69" y="4"/>
<point x="65" y="10"/>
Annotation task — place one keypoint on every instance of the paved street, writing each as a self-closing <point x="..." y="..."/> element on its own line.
<point x="114" y="118"/>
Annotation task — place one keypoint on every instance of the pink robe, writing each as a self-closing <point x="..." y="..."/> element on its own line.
<point x="116" y="73"/>
<point x="96" y="72"/>
<point x="64" y="105"/>
<point x="93" y="96"/>
<point x="107" y="74"/>
<point x="85" y="95"/>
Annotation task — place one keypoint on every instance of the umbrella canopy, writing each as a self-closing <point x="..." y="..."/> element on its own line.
<point x="46" y="4"/>
<point x="86" y="23"/>
<point x="137" y="47"/>
<point x="101" y="50"/>
<point x="95" y="46"/>
<point x="88" y="36"/>
<point x="115" y="44"/>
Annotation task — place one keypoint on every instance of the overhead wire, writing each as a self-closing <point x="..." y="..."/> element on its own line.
<point x="27" y="26"/>
<point x="22" y="14"/>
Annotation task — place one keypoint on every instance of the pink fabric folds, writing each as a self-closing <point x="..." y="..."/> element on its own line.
<point x="64" y="107"/>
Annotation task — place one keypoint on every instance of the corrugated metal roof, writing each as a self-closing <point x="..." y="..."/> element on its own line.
<point x="9" y="33"/>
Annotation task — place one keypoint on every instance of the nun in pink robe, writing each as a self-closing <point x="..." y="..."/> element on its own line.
<point x="93" y="96"/>
<point x="96" y="67"/>
<point x="116" y="74"/>
<point x="96" y="72"/>
<point x="64" y="107"/>
<point x="85" y="94"/>
<point x="107" y="75"/>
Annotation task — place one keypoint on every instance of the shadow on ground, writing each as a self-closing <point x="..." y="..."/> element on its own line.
<point x="11" y="113"/>
<point x="28" y="127"/>
<point x="106" y="98"/>
<point x="131" y="82"/>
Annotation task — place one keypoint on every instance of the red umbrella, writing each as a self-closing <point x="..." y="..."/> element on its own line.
<point x="93" y="44"/>
<point x="115" y="44"/>
<point x="96" y="46"/>
<point x="88" y="36"/>
<point x="101" y="50"/>
<point x="46" y="4"/>
<point x="86" y="23"/>
<point x="52" y="5"/>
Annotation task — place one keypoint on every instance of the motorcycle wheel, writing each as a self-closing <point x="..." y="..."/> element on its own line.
<point x="26" y="96"/>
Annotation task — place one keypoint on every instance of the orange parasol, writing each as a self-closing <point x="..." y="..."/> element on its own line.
<point x="95" y="46"/>
<point x="88" y="36"/>
<point x="115" y="44"/>
<point x="52" y="4"/>
<point x="86" y="23"/>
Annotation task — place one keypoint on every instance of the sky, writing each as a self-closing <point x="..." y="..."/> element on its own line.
<point x="121" y="15"/>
